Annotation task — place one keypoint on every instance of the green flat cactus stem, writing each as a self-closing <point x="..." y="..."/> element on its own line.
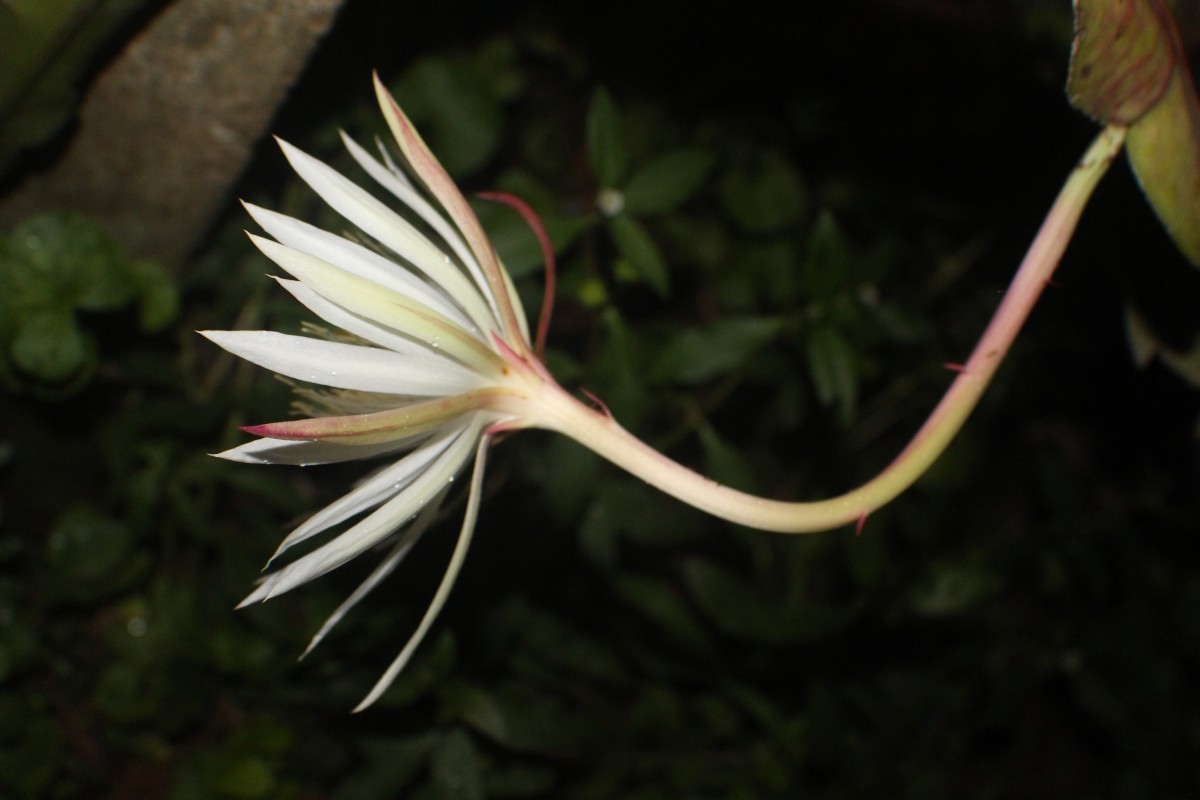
<point x="601" y="433"/>
<point x="1129" y="67"/>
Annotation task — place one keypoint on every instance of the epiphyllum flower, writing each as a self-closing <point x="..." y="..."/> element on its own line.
<point x="436" y="358"/>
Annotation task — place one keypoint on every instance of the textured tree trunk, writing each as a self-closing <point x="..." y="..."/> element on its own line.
<point x="167" y="128"/>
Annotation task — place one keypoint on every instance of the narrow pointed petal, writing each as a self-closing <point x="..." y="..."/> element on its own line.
<point x="359" y="260"/>
<point x="377" y="334"/>
<point x="439" y="183"/>
<point x="342" y="366"/>
<point x="395" y="182"/>
<point x="394" y="424"/>
<point x="381" y="486"/>
<point x="379" y="524"/>
<point x="393" y="231"/>
<point x="391" y="165"/>
<point x="380" y="304"/>
<point x="399" y="550"/>
<point x="443" y="590"/>
<point x="308" y="453"/>
<point x="517" y="305"/>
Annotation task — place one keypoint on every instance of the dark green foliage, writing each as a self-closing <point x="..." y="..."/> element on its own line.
<point x="605" y="140"/>
<point x="766" y="292"/>
<point x="46" y="49"/>
<point x="51" y="268"/>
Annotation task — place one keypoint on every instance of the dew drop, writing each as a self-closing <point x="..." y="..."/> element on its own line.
<point x="136" y="627"/>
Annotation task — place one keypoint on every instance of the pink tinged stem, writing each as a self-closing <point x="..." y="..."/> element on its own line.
<point x="603" y="435"/>
<point x="539" y="230"/>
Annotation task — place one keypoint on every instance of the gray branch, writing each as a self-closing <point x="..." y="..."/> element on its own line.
<point x="167" y="128"/>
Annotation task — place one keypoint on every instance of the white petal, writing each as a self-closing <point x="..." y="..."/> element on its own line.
<point x="381" y="335"/>
<point x="342" y="366"/>
<point x="390" y="163"/>
<point x="515" y="298"/>
<point x="443" y="590"/>
<point x="381" y="486"/>
<point x="399" y="550"/>
<point x="376" y="526"/>
<point x="304" y="454"/>
<point x="380" y="304"/>
<point x="395" y="182"/>
<point x="355" y="258"/>
<point x="386" y="226"/>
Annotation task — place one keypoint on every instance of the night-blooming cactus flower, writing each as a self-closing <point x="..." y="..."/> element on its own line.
<point x="435" y="360"/>
<point x="432" y="356"/>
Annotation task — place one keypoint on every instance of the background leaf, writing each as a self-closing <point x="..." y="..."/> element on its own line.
<point x="49" y="346"/>
<point x="764" y="193"/>
<point x="701" y="354"/>
<point x="831" y="364"/>
<point x="605" y="140"/>
<point x="665" y="183"/>
<point x="455" y="768"/>
<point x="458" y="103"/>
<point x="55" y="265"/>
<point x="636" y="246"/>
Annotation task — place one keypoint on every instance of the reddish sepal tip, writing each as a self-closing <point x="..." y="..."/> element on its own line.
<point x="600" y="404"/>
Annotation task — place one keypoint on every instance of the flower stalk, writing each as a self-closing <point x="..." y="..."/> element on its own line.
<point x="602" y="434"/>
<point x="435" y="358"/>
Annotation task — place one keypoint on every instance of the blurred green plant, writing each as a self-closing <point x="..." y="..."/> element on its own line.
<point x="1045" y="651"/>
<point x="47" y="47"/>
<point x="658" y="187"/>
<point x="53" y="268"/>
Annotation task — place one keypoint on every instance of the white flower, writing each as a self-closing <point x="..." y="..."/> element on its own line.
<point x="434" y="357"/>
<point x="437" y="359"/>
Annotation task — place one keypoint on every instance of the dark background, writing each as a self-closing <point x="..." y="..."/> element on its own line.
<point x="1025" y="622"/>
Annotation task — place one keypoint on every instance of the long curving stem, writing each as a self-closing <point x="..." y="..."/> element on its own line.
<point x="598" y="431"/>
